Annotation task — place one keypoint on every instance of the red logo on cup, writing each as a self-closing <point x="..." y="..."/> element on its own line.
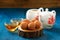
<point x="51" y="20"/>
<point x="37" y="17"/>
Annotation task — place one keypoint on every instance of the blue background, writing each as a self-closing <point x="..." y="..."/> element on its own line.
<point x="7" y="13"/>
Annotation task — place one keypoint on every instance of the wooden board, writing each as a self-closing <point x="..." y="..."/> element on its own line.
<point x="29" y="3"/>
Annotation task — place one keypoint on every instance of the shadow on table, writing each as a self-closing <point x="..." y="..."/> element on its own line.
<point x="14" y="33"/>
<point x="55" y="29"/>
<point x="44" y="37"/>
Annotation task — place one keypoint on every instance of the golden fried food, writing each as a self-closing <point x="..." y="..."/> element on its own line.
<point x="26" y="20"/>
<point x="31" y="26"/>
<point x="33" y="20"/>
<point x="24" y="25"/>
<point x="37" y="24"/>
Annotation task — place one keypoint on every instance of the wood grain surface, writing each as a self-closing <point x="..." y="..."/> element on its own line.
<point x="29" y="3"/>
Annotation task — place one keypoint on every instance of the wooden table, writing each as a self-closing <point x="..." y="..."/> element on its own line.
<point x="29" y="3"/>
